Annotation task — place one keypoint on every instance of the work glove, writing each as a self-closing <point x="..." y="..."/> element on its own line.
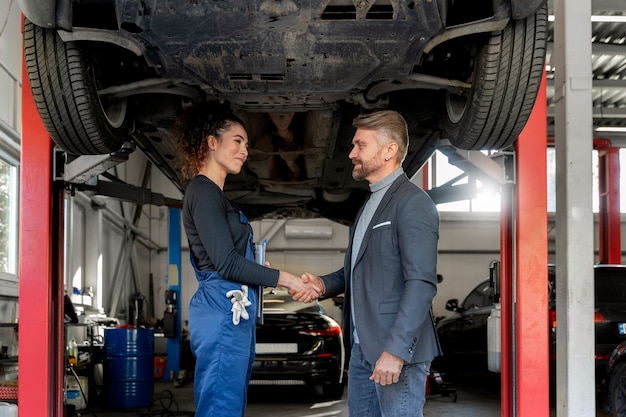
<point x="240" y="301"/>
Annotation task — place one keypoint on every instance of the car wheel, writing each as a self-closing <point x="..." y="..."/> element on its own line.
<point x="63" y="82"/>
<point x="617" y="390"/>
<point x="510" y="65"/>
<point x="333" y="391"/>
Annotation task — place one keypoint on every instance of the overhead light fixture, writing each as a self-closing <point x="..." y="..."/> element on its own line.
<point x="308" y="231"/>
<point x="608" y="18"/>
<point x="615" y="129"/>
<point x="600" y="18"/>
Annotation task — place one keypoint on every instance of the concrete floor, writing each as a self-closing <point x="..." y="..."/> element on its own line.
<point x="476" y="398"/>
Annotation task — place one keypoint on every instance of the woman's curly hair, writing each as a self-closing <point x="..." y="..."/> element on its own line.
<point x="194" y="125"/>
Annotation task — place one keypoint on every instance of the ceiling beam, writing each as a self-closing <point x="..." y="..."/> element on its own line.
<point x="599" y="48"/>
<point x="596" y="5"/>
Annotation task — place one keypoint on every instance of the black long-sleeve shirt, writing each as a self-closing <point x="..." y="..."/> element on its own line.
<point x="217" y="237"/>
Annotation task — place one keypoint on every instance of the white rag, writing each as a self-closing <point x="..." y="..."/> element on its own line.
<point x="240" y="301"/>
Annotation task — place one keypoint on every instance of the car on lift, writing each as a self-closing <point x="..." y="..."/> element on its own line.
<point x="463" y="335"/>
<point x="298" y="344"/>
<point x="110" y="76"/>
<point x="615" y="401"/>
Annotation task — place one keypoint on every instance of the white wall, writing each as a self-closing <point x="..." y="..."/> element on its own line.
<point x="468" y="243"/>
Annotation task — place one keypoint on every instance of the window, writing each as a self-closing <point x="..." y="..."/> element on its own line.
<point x="8" y="208"/>
<point x="484" y="199"/>
<point x="551" y="162"/>
<point x="8" y="227"/>
<point x="488" y="200"/>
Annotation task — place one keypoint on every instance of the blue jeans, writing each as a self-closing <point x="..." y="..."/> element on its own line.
<point x="366" y="398"/>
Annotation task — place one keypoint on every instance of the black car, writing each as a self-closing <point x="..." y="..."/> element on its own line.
<point x="463" y="335"/>
<point x="298" y="344"/>
<point x="616" y="382"/>
<point x="110" y="76"/>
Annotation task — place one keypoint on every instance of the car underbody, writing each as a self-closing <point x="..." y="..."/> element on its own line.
<point x="106" y="74"/>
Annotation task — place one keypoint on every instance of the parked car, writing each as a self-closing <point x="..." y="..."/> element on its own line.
<point x="463" y="335"/>
<point x="110" y="76"/>
<point x="298" y="344"/>
<point x="616" y="381"/>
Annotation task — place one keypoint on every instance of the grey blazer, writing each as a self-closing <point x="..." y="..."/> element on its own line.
<point x="395" y="278"/>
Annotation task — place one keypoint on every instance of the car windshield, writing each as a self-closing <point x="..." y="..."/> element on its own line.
<point x="480" y="296"/>
<point x="610" y="286"/>
<point x="278" y="300"/>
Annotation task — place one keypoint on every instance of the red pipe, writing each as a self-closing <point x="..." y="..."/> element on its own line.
<point x="506" y="300"/>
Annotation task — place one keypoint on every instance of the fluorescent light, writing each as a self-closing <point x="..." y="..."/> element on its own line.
<point x="608" y="18"/>
<point x="619" y="129"/>
<point x="600" y="18"/>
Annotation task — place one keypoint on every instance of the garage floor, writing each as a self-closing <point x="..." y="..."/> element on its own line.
<point x="475" y="398"/>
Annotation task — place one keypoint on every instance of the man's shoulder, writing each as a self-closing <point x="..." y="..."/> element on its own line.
<point x="404" y="185"/>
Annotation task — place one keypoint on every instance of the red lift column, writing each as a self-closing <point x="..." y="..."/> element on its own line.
<point x="609" y="218"/>
<point x="524" y="295"/>
<point x="41" y="346"/>
<point x="531" y="266"/>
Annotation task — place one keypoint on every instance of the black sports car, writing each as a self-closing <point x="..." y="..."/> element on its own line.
<point x="616" y="382"/>
<point x="298" y="344"/>
<point x="463" y="335"/>
<point x="110" y="76"/>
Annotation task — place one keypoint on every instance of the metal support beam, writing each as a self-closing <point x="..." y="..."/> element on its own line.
<point x="531" y="367"/>
<point x="475" y="163"/>
<point x="575" y="349"/>
<point x="174" y="285"/>
<point x="609" y="217"/>
<point x="41" y="346"/>
<point x="83" y="168"/>
<point x="507" y="207"/>
<point x="126" y="192"/>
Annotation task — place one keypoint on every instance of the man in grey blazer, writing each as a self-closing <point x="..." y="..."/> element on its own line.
<point x="389" y="277"/>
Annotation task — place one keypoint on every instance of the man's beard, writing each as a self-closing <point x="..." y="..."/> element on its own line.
<point x="367" y="168"/>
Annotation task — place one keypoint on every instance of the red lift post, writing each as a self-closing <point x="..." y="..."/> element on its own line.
<point x="609" y="218"/>
<point x="41" y="344"/>
<point x="524" y="222"/>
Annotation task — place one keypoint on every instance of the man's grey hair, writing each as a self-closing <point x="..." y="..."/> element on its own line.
<point x="392" y="126"/>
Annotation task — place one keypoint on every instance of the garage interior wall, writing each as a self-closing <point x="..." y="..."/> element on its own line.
<point x="469" y="242"/>
<point x="100" y="228"/>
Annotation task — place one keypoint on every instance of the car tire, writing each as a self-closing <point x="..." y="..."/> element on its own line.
<point x="617" y="390"/>
<point x="511" y="64"/>
<point x="65" y="91"/>
<point x="333" y="391"/>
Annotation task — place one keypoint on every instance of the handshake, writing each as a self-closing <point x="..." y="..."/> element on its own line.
<point x="306" y="288"/>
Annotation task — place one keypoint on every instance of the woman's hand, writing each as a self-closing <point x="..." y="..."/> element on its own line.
<point x="301" y="289"/>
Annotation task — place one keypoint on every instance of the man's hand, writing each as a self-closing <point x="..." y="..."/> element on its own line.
<point x="314" y="287"/>
<point x="387" y="370"/>
<point x="300" y="289"/>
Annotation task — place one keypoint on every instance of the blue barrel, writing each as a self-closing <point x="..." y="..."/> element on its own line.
<point x="128" y="367"/>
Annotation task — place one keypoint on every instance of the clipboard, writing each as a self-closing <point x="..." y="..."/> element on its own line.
<point x="259" y="255"/>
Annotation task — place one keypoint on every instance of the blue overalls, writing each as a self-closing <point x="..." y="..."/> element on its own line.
<point x="224" y="351"/>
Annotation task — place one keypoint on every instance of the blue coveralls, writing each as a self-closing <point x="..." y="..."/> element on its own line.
<point x="224" y="351"/>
